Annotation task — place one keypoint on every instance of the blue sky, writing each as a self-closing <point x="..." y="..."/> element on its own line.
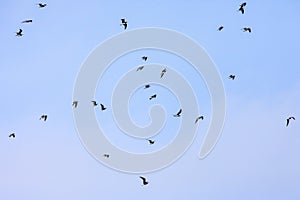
<point x="256" y="156"/>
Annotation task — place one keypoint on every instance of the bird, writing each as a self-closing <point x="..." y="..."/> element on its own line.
<point x="151" y="141"/>
<point x="27" y="21"/>
<point x="231" y="76"/>
<point x="44" y="117"/>
<point x="124" y="23"/>
<point x="198" y="118"/>
<point x="140" y="68"/>
<point x="163" y="72"/>
<point x="19" y="33"/>
<point x="94" y="103"/>
<point x="75" y="103"/>
<point x="145" y="182"/>
<point x="41" y="5"/>
<point x="288" y="120"/>
<point x="146" y="86"/>
<point x="102" y="107"/>
<point x="220" y="28"/>
<point x="144" y="58"/>
<point x="178" y="114"/>
<point x="106" y="155"/>
<point x="12" y="135"/>
<point x="245" y="29"/>
<point x="152" y="97"/>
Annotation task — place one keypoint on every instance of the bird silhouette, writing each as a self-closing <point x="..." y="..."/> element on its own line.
<point x="19" y="33"/>
<point x="247" y="29"/>
<point x="242" y="7"/>
<point x="152" y="97"/>
<point x="151" y="141"/>
<point x="146" y="86"/>
<point x="124" y="23"/>
<point x="75" y="103"/>
<point x="231" y="76"/>
<point x="12" y="135"/>
<point x="106" y="155"/>
<point x="163" y="72"/>
<point x="145" y="182"/>
<point x="102" y="107"/>
<point x="44" y="117"/>
<point x="220" y="28"/>
<point x="27" y="21"/>
<point x="178" y="114"/>
<point x="144" y="58"/>
<point x="288" y="120"/>
<point x="140" y="68"/>
<point x="94" y="103"/>
<point x="41" y="5"/>
<point x="198" y="118"/>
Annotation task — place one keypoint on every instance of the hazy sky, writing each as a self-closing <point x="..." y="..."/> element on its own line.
<point x="257" y="156"/>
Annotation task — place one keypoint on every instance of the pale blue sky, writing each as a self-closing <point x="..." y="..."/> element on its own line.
<point x="257" y="157"/>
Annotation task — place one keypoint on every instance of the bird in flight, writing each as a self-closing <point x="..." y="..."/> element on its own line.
<point x="27" y="21"/>
<point x="152" y="97"/>
<point x="198" y="118"/>
<point x="242" y="7"/>
<point x="19" y="33"/>
<point x="140" y="68"/>
<point x="44" y="117"/>
<point x="178" y="114"/>
<point x="124" y="23"/>
<point x="163" y="72"/>
<point x="146" y="86"/>
<point x="144" y="58"/>
<point x="288" y="120"/>
<point x="41" y="5"/>
<point x="145" y="182"/>
<point x="102" y="107"/>
<point x="75" y="103"/>
<point x="231" y="77"/>
<point x="94" y="103"/>
<point x="151" y="141"/>
<point x="220" y="28"/>
<point x="12" y="135"/>
<point x="245" y="29"/>
<point x="106" y="155"/>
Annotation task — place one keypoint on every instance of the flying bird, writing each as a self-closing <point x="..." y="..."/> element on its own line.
<point x="41" y="5"/>
<point x="124" y="23"/>
<point x="242" y="7"/>
<point x="231" y="77"/>
<point x="198" y="118"/>
<point x="12" y="135"/>
<point x="75" y="103"/>
<point x="145" y="182"/>
<point x="152" y="97"/>
<point x="145" y="58"/>
<point x="288" y="120"/>
<point x="220" y="28"/>
<point x="44" y="117"/>
<point x="163" y="72"/>
<point x="178" y="114"/>
<point x="102" y="107"/>
<point x="94" y="103"/>
<point x="245" y="29"/>
<point x="140" y="68"/>
<point x="27" y="21"/>
<point x="151" y="141"/>
<point x="19" y="33"/>
<point x="106" y="155"/>
<point x="146" y="86"/>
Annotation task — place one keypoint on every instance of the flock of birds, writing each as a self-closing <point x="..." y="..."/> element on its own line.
<point x="144" y="58"/>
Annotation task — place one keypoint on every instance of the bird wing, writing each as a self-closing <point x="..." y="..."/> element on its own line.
<point x="143" y="178"/>
<point x="125" y="25"/>
<point x="287" y="122"/>
<point x="179" y="112"/>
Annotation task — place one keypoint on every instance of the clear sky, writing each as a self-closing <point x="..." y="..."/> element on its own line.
<point x="257" y="156"/>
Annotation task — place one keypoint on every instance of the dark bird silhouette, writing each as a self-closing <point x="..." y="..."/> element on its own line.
<point x="12" y="135"/>
<point x="102" y="107"/>
<point x="231" y="77"/>
<point x="151" y="141"/>
<point x="198" y="118"/>
<point x="124" y="23"/>
<point x="152" y="97"/>
<point x="245" y="29"/>
<point x="163" y="72"/>
<point x="42" y="5"/>
<point x="19" y="33"/>
<point x="75" y="103"/>
<point x="145" y="182"/>
<point x="106" y="155"/>
<point x="94" y="103"/>
<point x="27" y="21"/>
<point x="140" y="68"/>
<point x="220" y="28"/>
<point x="44" y="117"/>
<point x="178" y="114"/>
<point x="145" y="58"/>
<point x="288" y="120"/>
<point x="146" y="86"/>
